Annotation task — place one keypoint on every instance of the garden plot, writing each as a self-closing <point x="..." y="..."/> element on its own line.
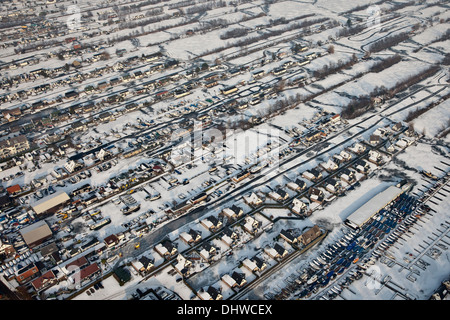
<point x="431" y="34"/>
<point x="439" y="116"/>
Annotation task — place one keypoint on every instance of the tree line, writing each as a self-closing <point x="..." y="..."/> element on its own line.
<point x="359" y="105"/>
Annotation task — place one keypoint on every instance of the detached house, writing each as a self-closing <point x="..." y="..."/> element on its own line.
<point x="329" y="166"/>
<point x="250" y="265"/>
<point x="403" y="143"/>
<point x="279" y="195"/>
<point x="210" y="294"/>
<point x="229" y="281"/>
<point x="358" y="148"/>
<point x="397" y="127"/>
<point x="374" y="139"/>
<point x="230" y="233"/>
<point x="362" y="166"/>
<point x="259" y="263"/>
<point x="348" y="176"/>
<point x="316" y="195"/>
<point x="332" y="186"/>
<point x="276" y="252"/>
<point x="252" y="200"/>
<point x="299" y="207"/>
<point x="288" y="236"/>
<point x="312" y="175"/>
<point x="239" y="278"/>
<point x="45" y="281"/>
<point x="214" y="293"/>
<point x="183" y="266"/>
<point x="207" y="252"/>
<point x="191" y="237"/>
<point x="13" y="190"/>
<point x="111" y="241"/>
<point x="310" y="235"/>
<point x="375" y="157"/>
<point x="342" y="157"/>
<point x="251" y="225"/>
<point x="234" y="212"/>
<point x="211" y="223"/>
<point x="298" y="185"/>
<point x="143" y="264"/>
<point x="410" y="132"/>
<point x="166" y="249"/>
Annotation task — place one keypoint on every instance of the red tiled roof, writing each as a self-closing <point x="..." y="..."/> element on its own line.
<point x="89" y="270"/>
<point x="13" y="189"/>
<point x="78" y="262"/>
<point x="42" y="280"/>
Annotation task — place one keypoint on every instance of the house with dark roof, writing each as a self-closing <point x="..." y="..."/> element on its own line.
<point x="207" y="252"/>
<point x="45" y="281"/>
<point x="234" y="212"/>
<point x="143" y="264"/>
<point x="111" y="240"/>
<point x="362" y="166"/>
<point x="230" y="233"/>
<point x="278" y="195"/>
<point x="87" y="273"/>
<point x="332" y="185"/>
<point x="310" y="235"/>
<point x="239" y="278"/>
<point x="374" y="139"/>
<point x="77" y="263"/>
<point x="166" y="249"/>
<point x="316" y="195"/>
<point x="288" y="236"/>
<point x="298" y="185"/>
<point x="259" y="263"/>
<point x="347" y="176"/>
<point x="281" y="251"/>
<point x="214" y="293"/>
<point x="191" y="237"/>
<point x="211" y="223"/>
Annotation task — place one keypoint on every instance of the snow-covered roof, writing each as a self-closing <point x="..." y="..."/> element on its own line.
<point x="371" y="207"/>
<point x="35" y="232"/>
<point x="250" y="264"/>
<point x="229" y="280"/>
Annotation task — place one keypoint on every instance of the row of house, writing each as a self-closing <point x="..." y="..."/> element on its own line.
<point x="79" y="271"/>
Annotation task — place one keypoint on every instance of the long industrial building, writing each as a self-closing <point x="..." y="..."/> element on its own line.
<point x="51" y="203"/>
<point x="372" y="207"/>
